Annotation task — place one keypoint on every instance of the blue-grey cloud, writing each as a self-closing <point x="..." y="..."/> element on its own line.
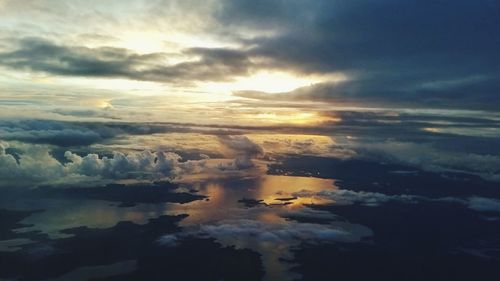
<point x="41" y="55"/>
<point x="425" y="53"/>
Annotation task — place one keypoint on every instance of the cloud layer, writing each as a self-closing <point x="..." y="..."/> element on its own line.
<point x="41" y="55"/>
<point x="422" y="54"/>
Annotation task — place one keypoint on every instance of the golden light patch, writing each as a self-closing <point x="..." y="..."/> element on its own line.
<point x="431" y="130"/>
<point x="287" y="117"/>
<point x="270" y="82"/>
<point x="279" y="190"/>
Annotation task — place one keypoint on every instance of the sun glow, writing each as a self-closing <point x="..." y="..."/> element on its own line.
<point x="264" y="81"/>
<point x="287" y="117"/>
<point x="271" y="82"/>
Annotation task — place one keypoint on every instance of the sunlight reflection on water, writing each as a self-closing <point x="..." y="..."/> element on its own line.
<point x="273" y="226"/>
<point x="265" y="228"/>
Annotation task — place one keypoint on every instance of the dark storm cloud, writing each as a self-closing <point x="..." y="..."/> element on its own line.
<point x="37" y="54"/>
<point x="62" y="133"/>
<point x="387" y="88"/>
<point x="431" y="53"/>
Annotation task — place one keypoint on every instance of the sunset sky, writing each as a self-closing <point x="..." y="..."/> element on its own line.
<point x="343" y="102"/>
<point x="327" y="70"/>
<point x="266" y="61"/>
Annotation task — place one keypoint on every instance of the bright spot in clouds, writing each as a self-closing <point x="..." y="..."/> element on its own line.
<point x="270" y="82"/>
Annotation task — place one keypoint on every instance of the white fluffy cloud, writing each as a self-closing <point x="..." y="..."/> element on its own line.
<point x="36" y="166"/>
<point x="284" y="232"/>
<point x="242" y="149"/>
<point x="121" y="165"/>
<point x="263" y="228"/>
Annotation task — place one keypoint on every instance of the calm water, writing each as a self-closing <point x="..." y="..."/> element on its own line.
<point x="264" y="227"/>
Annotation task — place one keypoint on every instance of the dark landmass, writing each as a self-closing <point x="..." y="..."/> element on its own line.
<point x="280" y="204"/>
<point x="391" y="179"/>
<point x="250" y="203"/>
<point x="126" y="195"/>
<point x="286" y="199"/>
<point x="51" y="258"/>
<point x="11" y="220"/>
<point x="425" y="241"/>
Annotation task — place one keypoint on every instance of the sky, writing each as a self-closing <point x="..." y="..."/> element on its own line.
<point x="283" y="123"/>
<point x="419" y="54"/>
<point x="341" y="78"/>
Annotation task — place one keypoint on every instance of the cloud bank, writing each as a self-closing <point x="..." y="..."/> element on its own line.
<point x="34" y="165"/>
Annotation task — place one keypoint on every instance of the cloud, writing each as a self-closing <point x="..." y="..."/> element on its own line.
<point x="41" y="55"/>
<point x="241" y="145"/>
<point x="416" y="54"/>
<point x="33" y="165"/>
<point x="64" y="134"/>
<point x="243" y="149"/>
<point x="426" y="157"/>
<point x="439" y="141"/>
<point x="484" y="204"/>
<point x="375" y="199"/>
<point x="53" y="132"/>
<point x="394" y="53"/>
<point x="386" y="91"/>
<point x="252" y="230"/>
<point x="169" y="240"/>
<point x="350" y="197"/>
<point x="121" y="165"/>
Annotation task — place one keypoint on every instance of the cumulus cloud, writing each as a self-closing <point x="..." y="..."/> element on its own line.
<point x="253" y="230"/>
<point x="239" y="163"/>
<point x="241" y="144"/>
<point x="121" y="165"/>
<point x="33" y="165"/>
<point x="243" y="149"/>
<point x="36" y="166"/>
